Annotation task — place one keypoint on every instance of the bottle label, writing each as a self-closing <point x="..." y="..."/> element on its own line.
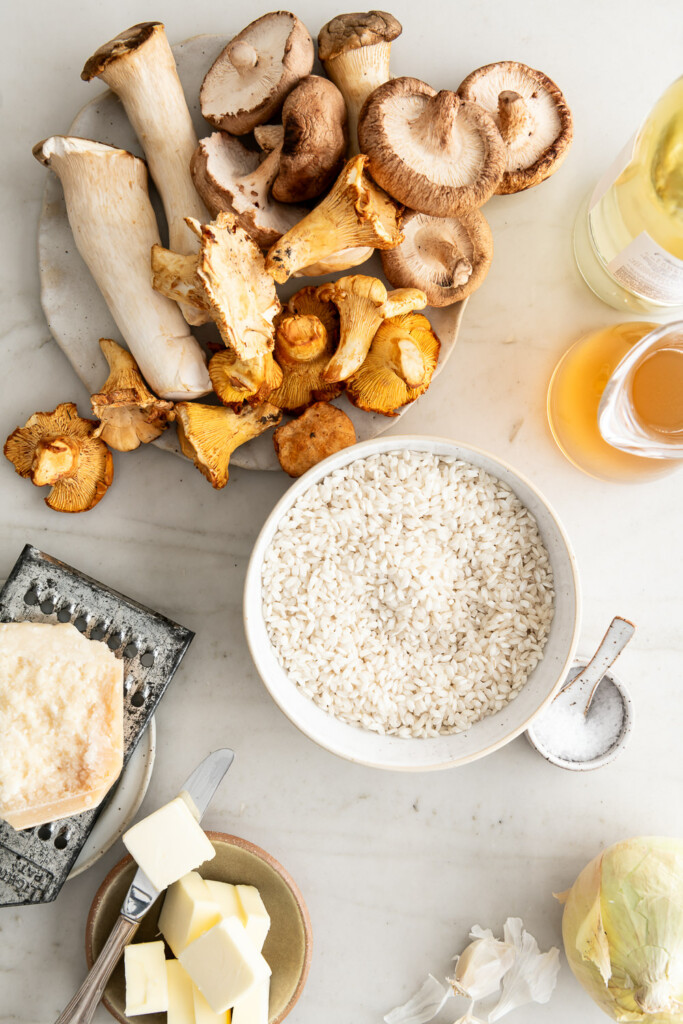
<point x="647" y="269"/>
<point x="613" y="171"/>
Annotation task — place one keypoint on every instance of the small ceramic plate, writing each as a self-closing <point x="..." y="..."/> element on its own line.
<point x="123" y="804"/>
<point x="288" y="947"/>
<point x="75" y="310"/>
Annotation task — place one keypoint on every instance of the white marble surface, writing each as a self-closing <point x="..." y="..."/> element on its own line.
<point x="395" y="868"/>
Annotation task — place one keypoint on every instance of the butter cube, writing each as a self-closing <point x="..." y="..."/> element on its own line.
<point x="188" y="912"/>
<point x="180" y="1000"/>
<point x="223" y="964"/>
<point x="255" y="916"/>
<point x="146" y="987"/>
<point x="203" y="1014"/>
<point x="227" y="899"/>
<point x="253" y="1008"/>
<point x="168" y="844"/>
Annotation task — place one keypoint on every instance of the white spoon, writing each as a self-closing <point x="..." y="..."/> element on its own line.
<point x="581" y="689"/>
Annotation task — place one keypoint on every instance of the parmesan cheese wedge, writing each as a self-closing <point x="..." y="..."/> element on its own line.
<point x="61" y="722"/>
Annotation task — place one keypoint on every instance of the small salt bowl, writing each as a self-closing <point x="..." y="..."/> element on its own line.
<point x="614" y="745"/>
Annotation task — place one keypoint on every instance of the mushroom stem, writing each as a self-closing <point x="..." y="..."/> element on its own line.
<point x="114" y="228"/>
<point x="436" y="124"/>
<point x="358" y="300"/>
<point x="241" y="55"/>
<point x="140" y="68"/>
<point x="399" y="352"/>
<point x="55" y="458"/>
<point x="269" y="136"/>
<point x="513" y="115"/>
<point x="357" y="73"/>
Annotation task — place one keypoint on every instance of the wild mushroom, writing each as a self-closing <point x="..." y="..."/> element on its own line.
<point x="431" y="150"/>
<point x="358" y="299"/>
<point x="447" y="257"/>
<point x="228" y="279"/>
<point x="354" y="49"/>
<point x="321" y="431"/>
<point x="532" y="116"/>
<point x="139" y="66"/>
<point x="315" y="139"/>
<point x="402" y="300"/>
<point x="404" y="350"/>
<point x="128" y="412"/>
<point x="209" y="434"/>
<point x="59" y="449"/>
<point x="354" y="213"/>
<point x="303" y="350"/>
<point x="238" y="380"/>
<point x="249" y="80"/>
<point x="307" y="302"/>
<point x="114" y="228"/>
<point x="336" y="261"/>
<point x="230" y="177"/>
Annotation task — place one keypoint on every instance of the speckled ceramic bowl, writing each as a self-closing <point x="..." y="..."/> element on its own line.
<point x="288" y="947"/>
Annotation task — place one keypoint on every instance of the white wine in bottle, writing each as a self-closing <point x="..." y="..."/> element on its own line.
<point x="628" y="239"/>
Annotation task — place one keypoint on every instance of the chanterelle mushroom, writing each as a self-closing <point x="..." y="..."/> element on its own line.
<point x="128" y="412"/>
<point x="354" y="213"/>
<point x="303" y="350"/>
<point x="358" y="299"/>
<point x="59" y="449"/>
<point x="139" y="66"/>
<point x="250" y="79"/>
<point x="307" y="302"/>
<point x="431" y="150"/>
<point x="355" y="50"/>
<point x="402" y="300"/>
<point x="228" y="176"/>
<point x="209" y="434"/>
<point x="114" y="228"/>
<point x="532" y="116"/>
<point x="228" y="279"/>
<point x="404" y="351"/>
<point x="244" y="380"/>
<point x="315" y="139"/>
<point x="447" y="257"/>
<point x="320" y="432"/>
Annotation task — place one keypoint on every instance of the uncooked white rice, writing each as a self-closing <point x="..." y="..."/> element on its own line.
<point x="408" y="593"/>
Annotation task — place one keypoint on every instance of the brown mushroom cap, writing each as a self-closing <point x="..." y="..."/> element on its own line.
<point x="250" y="79"/>
<point x="303" y="350"/>
<point x="351" y="31"/>
<point x="320" y="432"/>
<point x="315" y="140"/>
<point x="376" y="386"/>
<point x="432" y="151"/>
<point x="532" y="116"/>
<point x="59" y="448"/>
<point x="125" y="42"/>
<point x="209" y="434"/>
<point x="129" y="414"/>
<point x="447" y="257"/>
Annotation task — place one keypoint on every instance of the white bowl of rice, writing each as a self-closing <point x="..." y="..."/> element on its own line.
<point x="412" y="603"/>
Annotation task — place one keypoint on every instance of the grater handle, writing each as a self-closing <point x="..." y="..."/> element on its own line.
<point x="82" y="1007"/>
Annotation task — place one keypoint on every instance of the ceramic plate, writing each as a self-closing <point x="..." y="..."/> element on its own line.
<point x="288" y="946"/>
<point x="124" y="803"/>
<point x="75" y="310"/>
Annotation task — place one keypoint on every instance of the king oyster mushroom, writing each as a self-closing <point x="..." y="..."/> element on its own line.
<point x="532" y="116"/>
<point x="315" y="140"/>
<point x="446" y="257"/>
<point x="354" y="213"/>
<point x="303" y="350"/>
<point x="230" y="177"/>
<point x="59" y="449"/>
<point x="114" y="228"/>
<point x="228" y="279"/>
<point x="209" y="434"/>
<point x="138" y="65"/>
<point x="321" y="431"/>
<point x="249" y="80"/>
<point x="129" y="414"/>
<point x="355" y="49"/>
<point x="431" y="150"/>
<point x="358" y="299"/>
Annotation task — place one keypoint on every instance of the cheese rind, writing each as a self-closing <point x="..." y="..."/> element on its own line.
<point x="255" y="917"/>
<point x="180" y="1000"/>
<point x="146" y="980"/>
<point x="224" y="965"/>
<point x="188" y="912"/>
<point x="253" y="1008"/>
<point x="168" y="844"/>
<point x="203" y="1014"/>
<point x="227" y="899"/>
<point x="61" y="722"/>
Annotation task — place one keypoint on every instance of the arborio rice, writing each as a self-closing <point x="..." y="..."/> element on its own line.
<point x="408" y="593"/>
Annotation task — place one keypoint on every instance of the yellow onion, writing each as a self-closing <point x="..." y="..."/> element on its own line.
<point x="623" y="930"/>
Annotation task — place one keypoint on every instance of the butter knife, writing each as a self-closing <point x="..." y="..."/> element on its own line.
<point x="197" y="792"/>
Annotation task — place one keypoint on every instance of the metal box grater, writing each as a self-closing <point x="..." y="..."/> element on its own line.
<point x="35" y="863"/>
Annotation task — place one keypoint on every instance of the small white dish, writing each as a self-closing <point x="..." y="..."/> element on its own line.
<point x="123" y="804"/>
<point x="613" y="751"/>
<point x="489" y="734"/>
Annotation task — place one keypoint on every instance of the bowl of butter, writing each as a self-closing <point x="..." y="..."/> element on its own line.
<point x="230" y="941"/>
